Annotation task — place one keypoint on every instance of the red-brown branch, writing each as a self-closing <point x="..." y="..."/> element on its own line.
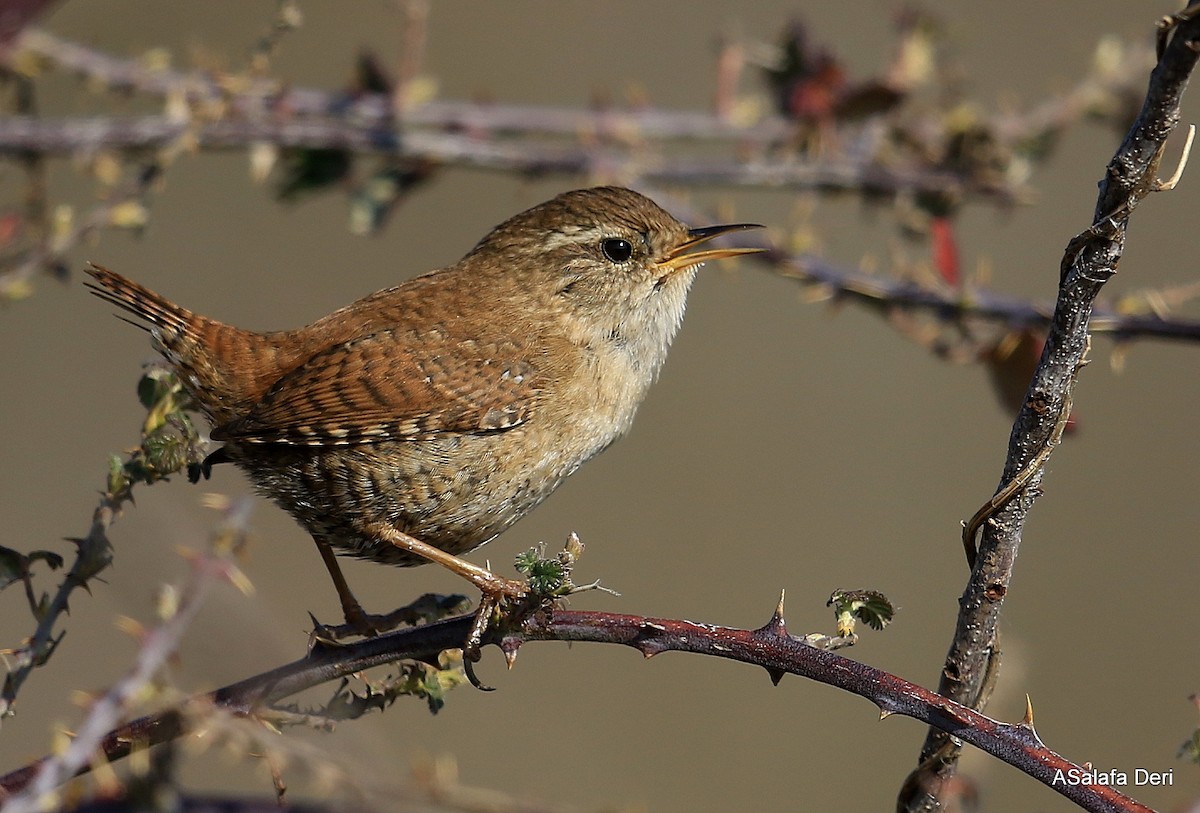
<point x="770" y="647"/>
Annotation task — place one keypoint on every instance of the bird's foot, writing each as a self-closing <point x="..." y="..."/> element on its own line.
<point x="502" y="601"/>
<point x="506" y="603"/>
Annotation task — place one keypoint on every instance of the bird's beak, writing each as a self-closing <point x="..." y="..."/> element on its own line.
<point x="679" y="258"/>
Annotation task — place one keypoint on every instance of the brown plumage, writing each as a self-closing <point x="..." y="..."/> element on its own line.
<point x="442" y="410"/>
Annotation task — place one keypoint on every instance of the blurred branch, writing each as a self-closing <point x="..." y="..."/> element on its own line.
<point x="1090" y="260"/>
<point x="1140" y="316"/>
<point x="908" y="156"/>
<point x="770" y="647"/>
<point x="948" y="155"/>
<point x="83" y="136"/>
<point x="169" y="444"/>
<point x="125" y="207"/>
<point x="1098" y="93"/>
<point x="158" y="644"/>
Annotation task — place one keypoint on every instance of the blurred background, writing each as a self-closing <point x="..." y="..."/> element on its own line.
<point x="787" y="445"/>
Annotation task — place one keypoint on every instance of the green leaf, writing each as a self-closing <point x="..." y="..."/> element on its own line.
<point x="14" y="565"/>
<point x="379" y="195"/>
<point x="308" y="171"/>
<point x="1190" y="750"/>
<point x="868" y="606"/>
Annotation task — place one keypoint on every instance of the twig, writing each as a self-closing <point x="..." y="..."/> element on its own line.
<point x="1048" y="118"/>
<point x="259" y="109"/>
<point x="92" y="556"/>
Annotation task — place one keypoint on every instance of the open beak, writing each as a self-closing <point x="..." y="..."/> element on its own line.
<point x="679" y="258"/>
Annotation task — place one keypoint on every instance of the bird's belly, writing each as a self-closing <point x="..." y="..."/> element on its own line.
<point x="413" y="486"/>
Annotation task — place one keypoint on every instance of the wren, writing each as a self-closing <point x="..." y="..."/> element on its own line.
<point x="420" y="422"/>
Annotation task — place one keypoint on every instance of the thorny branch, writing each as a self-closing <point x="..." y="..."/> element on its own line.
<point x="770" y="647"/>
<point x="1090" y="260"/>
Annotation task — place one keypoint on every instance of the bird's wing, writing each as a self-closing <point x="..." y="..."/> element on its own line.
<point x="393" y="385"/>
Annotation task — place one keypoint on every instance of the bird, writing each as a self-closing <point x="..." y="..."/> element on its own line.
<point x="418" y="423"/>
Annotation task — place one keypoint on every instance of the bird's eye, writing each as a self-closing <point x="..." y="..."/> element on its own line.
<point x="616" y="249"/>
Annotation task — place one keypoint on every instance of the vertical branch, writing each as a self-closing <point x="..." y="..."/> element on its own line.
<point x="1090" y="260"/>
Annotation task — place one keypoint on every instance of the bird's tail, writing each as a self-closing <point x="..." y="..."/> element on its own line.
<point x="170" y="324"/>
<point x="203" y="351"/>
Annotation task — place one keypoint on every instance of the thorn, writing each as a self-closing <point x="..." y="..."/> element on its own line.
<point x="509" y="647"/>
<point x="884" y="714"/>
<point x="776" y="674"/>
<point x="776" y="626"/>
<point x="1169" y="183"/>
<point x="1027" y="720"/>
<point x="648" y="649"/>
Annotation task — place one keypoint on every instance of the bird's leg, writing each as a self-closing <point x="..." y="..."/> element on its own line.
<point x="487" y="581"/>
<point x="496" y="590"/>
<point x="352" y="611"/>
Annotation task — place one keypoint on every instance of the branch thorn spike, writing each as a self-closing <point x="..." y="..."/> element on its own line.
<point x="1027" y="720"/>
<point x="776" y="674"/>
<point x="1170" y="183"/>
<point x="776" y="626"/>
<point x="509" y="647"/>
<point x="648" y="649"/>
